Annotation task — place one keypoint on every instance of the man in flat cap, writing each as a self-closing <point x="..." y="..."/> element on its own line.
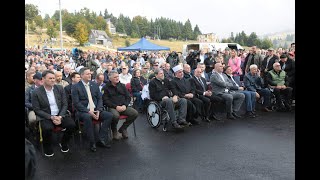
<point x="267" y="62"/>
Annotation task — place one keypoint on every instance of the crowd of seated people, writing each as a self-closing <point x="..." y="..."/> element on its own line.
<point x="95" y="89"/>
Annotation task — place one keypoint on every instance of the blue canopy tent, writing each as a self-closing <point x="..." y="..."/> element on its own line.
<point x="143" y="45"/>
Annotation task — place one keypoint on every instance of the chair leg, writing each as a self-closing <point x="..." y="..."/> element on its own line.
<point x="40" y="138"/>
<point x="80" y="133"/>
<point x="134" y="129"/>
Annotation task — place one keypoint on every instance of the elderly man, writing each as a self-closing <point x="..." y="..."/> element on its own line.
<point x="254" y="82"/>
<point x="160" y="90"/>
<point x="183" y="89"/>
<point x="117" y="98"/>
<point x="186" y="71"/>
<point x="204" y="94"/>
<point x="268" y="61"/>
<point x="66" y="73"/>
<point x="221" y="85"/>
<point x="278" y="81"/>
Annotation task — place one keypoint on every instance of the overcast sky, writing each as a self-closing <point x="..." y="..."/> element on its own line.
<point x="212" y="16"/>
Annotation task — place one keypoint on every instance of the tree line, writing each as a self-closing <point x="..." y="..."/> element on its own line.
<point x="79" y="23"/>
<point x="251" y="40"/>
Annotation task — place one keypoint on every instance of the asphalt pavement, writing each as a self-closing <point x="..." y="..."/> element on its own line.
<point x="261" y="148"/>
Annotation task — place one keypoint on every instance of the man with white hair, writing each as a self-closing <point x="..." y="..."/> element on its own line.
<point x="66" y="73"/>
<point x="254" y="82"/>
<point x="221" y="85"/>
<point x="277" y="79"/>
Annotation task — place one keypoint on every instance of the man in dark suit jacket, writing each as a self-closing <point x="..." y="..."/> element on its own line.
<point x="160" y="91"/>
<point x="87" y="113"/>
<point x="267" y="63"/>
<point x="288" y="65"/>
<point x="201" y="89"/>
<point x="50" y="104"/>
<point x="75" y="77"/>
<point x="183" y="89"/>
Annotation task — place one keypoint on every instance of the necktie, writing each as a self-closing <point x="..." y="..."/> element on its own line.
<point x="234" y="81"/>
<point x="204" y="89"/>
<point x="284" y="66"/>
<point x="91" y="104"/>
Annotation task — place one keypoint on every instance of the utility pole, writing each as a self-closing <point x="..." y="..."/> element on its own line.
<point x="61" y="41"/>
<point x="27" y="34"/>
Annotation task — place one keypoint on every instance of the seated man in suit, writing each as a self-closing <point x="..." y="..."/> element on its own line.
<point x="160" y="90"/>
<point x="250" y="96"/>
<point x="201" y="89"/>
<point x="221" y="85"/>
<point x="278" y="81"/>
<point x="50" y="104"/>
<point x="117" y="98"/>
<point x="87" y="101"/>
<point x="183" y="89"/>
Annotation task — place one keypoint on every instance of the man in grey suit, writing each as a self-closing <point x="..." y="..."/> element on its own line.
<point x="221" y="85"/>
<point x="87" y="101"/>
<point x="50" y="105"/>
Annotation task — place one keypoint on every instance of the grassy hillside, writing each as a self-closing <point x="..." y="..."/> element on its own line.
<point x="69" y="42"/>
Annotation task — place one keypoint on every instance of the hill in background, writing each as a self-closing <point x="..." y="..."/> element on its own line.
<point x="69" y="42"/>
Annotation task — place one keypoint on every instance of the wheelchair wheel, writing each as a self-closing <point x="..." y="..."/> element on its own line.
<point x="274" y="108"/>
<point x="154" y="114"/>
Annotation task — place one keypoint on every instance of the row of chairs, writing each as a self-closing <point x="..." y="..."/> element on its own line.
<point x="37" y="130"/>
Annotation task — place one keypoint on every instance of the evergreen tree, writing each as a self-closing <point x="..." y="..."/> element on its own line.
<point x="187" y="30"/>
<point x="196" y="32"/>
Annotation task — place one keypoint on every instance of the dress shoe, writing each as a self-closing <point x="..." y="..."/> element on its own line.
<point x="230" y="116"/>
<point x="266" y="109"/>
<point x="236" y="115"/>
<point x="184" y="123"/>
<point x="214" y="117"/>
<point x="206" y="119"/>
<point x="175" y="125"/>
<point x="93" y="147"/>
<point x="124" y="133"/>
<point x="250" y="114"/>
<point x="194" y="122"/>
<point x="103" y="144"/>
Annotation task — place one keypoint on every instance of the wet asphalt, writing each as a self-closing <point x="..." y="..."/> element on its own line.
<point x="261" y="148"/>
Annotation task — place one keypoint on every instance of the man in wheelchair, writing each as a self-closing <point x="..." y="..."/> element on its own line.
<point x="160" y="90"/>
<point x="278" y="82"/>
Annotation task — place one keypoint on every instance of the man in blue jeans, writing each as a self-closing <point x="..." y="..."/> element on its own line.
<point x="253" y="82"/>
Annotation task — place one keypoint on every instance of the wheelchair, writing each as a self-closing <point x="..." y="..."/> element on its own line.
<point x="273" y="102"/>
<point x="157" y="116"/>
